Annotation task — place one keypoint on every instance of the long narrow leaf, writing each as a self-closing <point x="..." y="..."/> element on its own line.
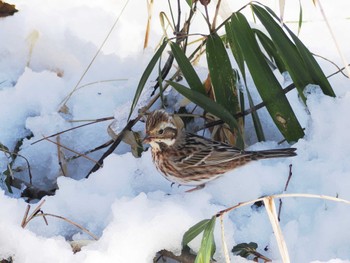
<point x="240" y="62"/>
<point x="309" y="62"/>
<point x="235" y="49"/>
<point x="222" y="77"/>
<point x="189" y="2"/>
<point x="194" y="231"/>
<point x="269" y="88"/>
<point x="300" y="17"/>
<point x="314" y="68"/>
<point x="270" y="49"/>
<point x="145" y="76"/>
<point x="287" y="50"/>
<point x="207" y="250"/>
<point x="186" y="68"/>
<point x="238" y="55"/>
<point x="208" y="105"/>
<point x="221" y="74"/>
<point x="256" y="120"/>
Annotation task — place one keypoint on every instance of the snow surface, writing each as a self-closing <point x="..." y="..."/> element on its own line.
<point x="44" y="50"/>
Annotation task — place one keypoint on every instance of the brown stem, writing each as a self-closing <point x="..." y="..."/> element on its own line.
<point x="76" y="127"/>
<point x="71" y="150"/>
<point x="70" y="222"/>
<point x="104" y="145"/>
<point x="216" y="15"/>
<point x="285" y="189"/>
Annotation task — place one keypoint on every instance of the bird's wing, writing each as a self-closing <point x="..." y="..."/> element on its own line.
<point x="201" y="151"/>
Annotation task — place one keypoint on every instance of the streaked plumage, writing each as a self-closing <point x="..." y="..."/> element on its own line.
<point x="189" y="159"/>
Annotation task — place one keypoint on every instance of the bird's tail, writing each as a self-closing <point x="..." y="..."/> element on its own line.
<point x="275" y="153"/>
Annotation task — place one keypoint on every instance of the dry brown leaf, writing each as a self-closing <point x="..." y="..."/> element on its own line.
<point x="178" y="122"/>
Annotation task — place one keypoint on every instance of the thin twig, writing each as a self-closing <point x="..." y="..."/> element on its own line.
<point x="227" y="19"/>
<point x="38" y="212"/>
<point x="216" y="15"/>
<point x="169" y="62"/>
<point x="104" y="145"/>
<point x="333" y="63"/>
<point x="25" y="159"/>
<point x="285" y="189"/>
<point x="98" y="82"/>
<point x="76" y="127"/>
<point x="207" y="17"/>
<point x="341" y="54"/>
<point x="44" y="217"/>
<point x="186" y="28"/>
<point x="178" y="16"/>
<point x="241" y="204"/>
<point x="338" y="71"/>
<point x="23" y="223"/>
<point x="71" y="150"/>
<point x="172" y="15"/>
<point x="65" y="100"/>
<point x="69" y="221"/>
<point x="27" y="218"/>
<point x="60" y="156"/>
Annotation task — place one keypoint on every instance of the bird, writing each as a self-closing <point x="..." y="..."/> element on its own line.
<point x="188" y="159"/>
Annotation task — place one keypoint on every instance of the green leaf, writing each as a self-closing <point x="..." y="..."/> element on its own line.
<point x="300" y="17"/>
<point x="209" y="105"/>
<point x="207" y="249"/>
<point x="270" y="49"/>
<point x="245" y="249"/>
<point x="256" y="120"/>
<point x="194" y="231"/>
<point x="189" y="2"/>
<point x="311" y="64"/>
<point x="249" y="250"/>
<point x="307" y="62"/>
<point x="221" y="74"/>
<point x="186" y="68"/>
<point x="8" y="181"/>
<point x="241" y="95"/>
<point x="268" y="86"/>
<point x="223" y="78"/>
<point x="286" y="49"/>
<point x="235" y="49"/>
<point x="145" y="76"/>
<point x="238" y="55"/>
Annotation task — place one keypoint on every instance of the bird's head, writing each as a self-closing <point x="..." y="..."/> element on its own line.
<point x="161" y="129"/>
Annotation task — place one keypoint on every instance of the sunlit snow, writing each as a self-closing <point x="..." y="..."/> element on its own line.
<point x="45" y="49"/>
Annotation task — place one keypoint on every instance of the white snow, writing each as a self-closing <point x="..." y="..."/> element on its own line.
<point x="46" y="47"/>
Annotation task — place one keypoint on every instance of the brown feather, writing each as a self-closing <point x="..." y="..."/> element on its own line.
<point x="189" y="159"/>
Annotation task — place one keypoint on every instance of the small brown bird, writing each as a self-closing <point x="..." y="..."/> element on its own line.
<point x="188" y="159"/>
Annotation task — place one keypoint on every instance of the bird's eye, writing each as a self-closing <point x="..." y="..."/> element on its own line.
<point x="161" y="131"/>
